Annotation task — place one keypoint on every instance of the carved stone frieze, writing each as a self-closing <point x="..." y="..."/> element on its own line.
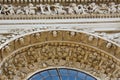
<point x="115" y="37"/>
<point x="34" y="51"/>
<point x="57" y="8"/>
<point x="49" y="11"/>
<point x="58" y="35"/>
<point x="59" y="54"/>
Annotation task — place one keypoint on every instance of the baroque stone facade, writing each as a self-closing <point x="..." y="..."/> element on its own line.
<point x="60" y="54"/>
<point x="29" y="53"/>
<point x="57" y="9"/>
<point x="37" y="35"/>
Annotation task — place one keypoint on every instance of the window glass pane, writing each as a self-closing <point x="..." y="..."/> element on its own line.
<point x="55" y="78"/>
<point x="61" y="74"/>
<point x="72" y="72"/>
<point x="72" y="78"/>
<point x="65" y="78"/>
<point x="90" y="78"/>
<point x="47" y="78"/>
<point x="36" y="77"/>
<point x="44" y="73"/>
<point x="53" y="72"/>
<point x="81" y="75"/>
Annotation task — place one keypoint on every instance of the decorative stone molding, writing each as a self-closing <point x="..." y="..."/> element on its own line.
<point x="54" y="1"/>
<point x="114" y="37"/>
<point x="68" y="68"/>
<point x="62" y="35"/>
<point x="15" y="32"/>
<point x="57" y="9"/>
<point x="27" y="60"/>
<point x="92" y="10"/>
<point x="24" y="54"/>
<point x="86" y="16"/>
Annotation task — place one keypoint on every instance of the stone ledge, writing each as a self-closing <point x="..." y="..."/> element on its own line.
<point x="66" y="16"/>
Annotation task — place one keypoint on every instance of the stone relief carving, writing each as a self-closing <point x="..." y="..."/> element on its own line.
<point x="25" y="61"/>
<point x="88" y="39"/>
<point x="57" y="8"/>
<point x="115" y="37"/>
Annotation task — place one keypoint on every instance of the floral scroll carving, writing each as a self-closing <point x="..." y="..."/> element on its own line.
<point x="55" y="54"/>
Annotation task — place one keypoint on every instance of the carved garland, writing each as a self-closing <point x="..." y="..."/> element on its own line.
<point x="97" y="56"/>
<point x="55" y="54"/>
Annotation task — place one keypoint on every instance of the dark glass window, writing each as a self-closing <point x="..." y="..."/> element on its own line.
<point x="61" y="74"/>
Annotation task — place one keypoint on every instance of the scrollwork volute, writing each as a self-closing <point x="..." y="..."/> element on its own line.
<point x="55" y="54"/>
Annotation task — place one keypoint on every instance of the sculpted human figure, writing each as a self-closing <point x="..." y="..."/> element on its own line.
<point x="31" y="9"/>
<point x="19" y="10"/>
<point x="112" y="8"/>
<point x="75" y="8"/>
<point x="26" y="10"/>
<point x="118" y="8"/>
<point x="69" y="10"/>
<point x="78" y="9"/>
<point x="59" y="9"/>
<point x="90" y="7"/>
<point x="5" y="9"/>
<point x="40" y="8"/>
<point x="47" y="9"/>
<point x="93" y="8"/>
<point x="103" y="9"/>
<point x="44" y="9"/>
<point x="81" y="9"/>
<point x="11" y="9"/>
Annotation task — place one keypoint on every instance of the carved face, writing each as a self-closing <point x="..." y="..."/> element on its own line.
<point x="30" y="5"/>
<point x="5" y="6"/>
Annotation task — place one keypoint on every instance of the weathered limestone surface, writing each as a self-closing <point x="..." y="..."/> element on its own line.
<point x="56" y="54"/>
<point x="24" y="51"/>
<point x="31" y="52"/>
